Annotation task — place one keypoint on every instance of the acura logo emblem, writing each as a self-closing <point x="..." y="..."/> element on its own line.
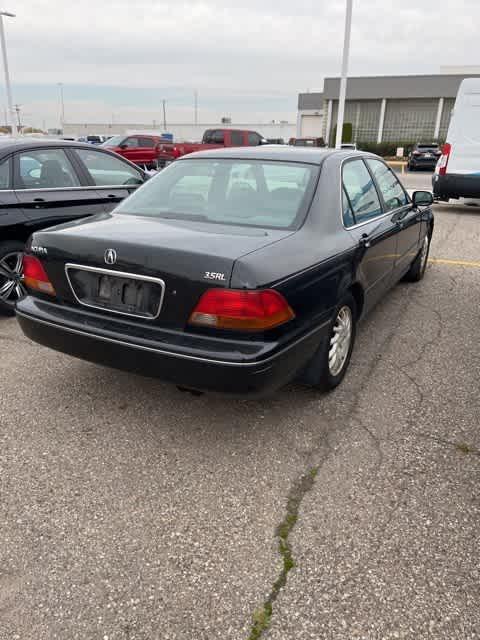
<point x="110" y="256"/>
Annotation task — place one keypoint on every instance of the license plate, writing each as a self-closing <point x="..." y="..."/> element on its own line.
<point x="119" y="292"/>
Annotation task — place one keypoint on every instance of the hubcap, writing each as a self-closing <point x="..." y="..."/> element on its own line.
<point x="11" y="278"/>
<point x="340" y="341"/>
<point x="424" y="254"/>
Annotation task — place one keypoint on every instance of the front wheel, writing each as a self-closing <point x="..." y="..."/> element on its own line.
<point x="329" y="365"/>
<point x="11" y="272"/>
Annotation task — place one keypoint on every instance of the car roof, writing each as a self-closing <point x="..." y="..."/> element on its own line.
<point x="284" y="153"/>
<point x="19" y="144"/>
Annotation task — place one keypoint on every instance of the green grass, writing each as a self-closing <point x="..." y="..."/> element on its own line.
<point x="263" y="615"/>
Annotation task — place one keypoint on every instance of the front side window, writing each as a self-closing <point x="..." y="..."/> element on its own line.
<point x="131" y="142"/>
<point x="106" y="170"/>
<point x="246" y="193"/>
<point x="146" y="142"/>
<point x="392" y="191"/>
<point x="253" y="139"/>
<point x="45" y="169"/>
<point x="5" y="174"/>
<point x="360" y="191"/>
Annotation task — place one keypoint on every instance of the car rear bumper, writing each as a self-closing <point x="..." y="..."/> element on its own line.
<point x="207" y="365"/>
<point x="456" y="185"/>
<point x="426" y="163"/>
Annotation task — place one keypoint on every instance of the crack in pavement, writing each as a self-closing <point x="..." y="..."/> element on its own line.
<point x="263" y="615"/>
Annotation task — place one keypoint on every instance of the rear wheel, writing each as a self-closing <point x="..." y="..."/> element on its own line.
<point x="11" y="272"/>
<point x="330" y="363"/>
<point x="419" y="265"/>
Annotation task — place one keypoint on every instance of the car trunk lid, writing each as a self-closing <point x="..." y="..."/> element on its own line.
<point x="149" y="269"/>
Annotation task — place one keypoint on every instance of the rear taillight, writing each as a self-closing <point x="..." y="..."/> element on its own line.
<point x="443" y="161"/>
<point x="35" y="277"/>
<point x="241" y="310"/>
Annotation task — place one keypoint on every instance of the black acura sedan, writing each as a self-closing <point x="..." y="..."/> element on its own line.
<point x="44" y="182"/>
<point x="233" y="270"/>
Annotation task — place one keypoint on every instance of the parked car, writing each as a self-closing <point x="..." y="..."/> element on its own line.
<point x="424" y="155"/>
<point x="457" y="174"/>
<point x="91" y="139"/>
<point x="45" y="182"/>
<point x="219" y="138"/>
<point x="234" y="270"/>
<point x="307" y="142"/>
<point x="350" y="146"/>
<point x="147" y="151"/>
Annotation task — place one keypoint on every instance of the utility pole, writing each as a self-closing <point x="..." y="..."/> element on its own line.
<point x="18" y="108"/>
<point x="7" y="75"/>
<point x="195" y="96"/>
<point x="62" y="106"/>
<point x="343" y="80"/>
<point x="164" y="116"/>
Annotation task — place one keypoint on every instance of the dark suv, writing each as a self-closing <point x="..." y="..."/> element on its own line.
<point x="424" y="155"/>
<point x="46" y="182"/>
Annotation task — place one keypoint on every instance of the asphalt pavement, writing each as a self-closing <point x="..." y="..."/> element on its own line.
<point x="131" y="511"/>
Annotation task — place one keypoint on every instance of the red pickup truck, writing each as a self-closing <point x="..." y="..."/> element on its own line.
<point x="142" y="149"/>
<point x="214" y="139"/>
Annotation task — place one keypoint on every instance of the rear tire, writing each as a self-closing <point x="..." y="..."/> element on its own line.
<point x="11" y="270"/>
<point x="419" y="265"/>
<point x="329" y="364"/>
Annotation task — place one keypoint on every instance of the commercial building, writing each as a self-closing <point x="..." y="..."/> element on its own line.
<point x="383" y="108"/>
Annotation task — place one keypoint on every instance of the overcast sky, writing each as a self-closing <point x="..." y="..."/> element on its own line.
<point x="248" y="59"/>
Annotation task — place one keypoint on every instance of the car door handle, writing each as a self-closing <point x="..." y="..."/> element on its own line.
<point x="111" y="196"/>
<point x="39" y="202"/>
<point x="365" y="241"/>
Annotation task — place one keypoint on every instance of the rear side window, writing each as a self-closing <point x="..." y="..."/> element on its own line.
<point x="45" y="169"/>
<point x="5" y="174"/>
<point x="107" y="170"/>
<point x="236" y="138"/>
<point x="393" y="193"/>
<point x="348" y="217"/>
<point x="360" y="191"/>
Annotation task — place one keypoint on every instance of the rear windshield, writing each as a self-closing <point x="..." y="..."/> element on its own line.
<point x="427" y="146"/>
<point x="248" y="193"/>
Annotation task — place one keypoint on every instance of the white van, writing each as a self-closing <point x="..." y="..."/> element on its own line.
<point x="457" y="174"/>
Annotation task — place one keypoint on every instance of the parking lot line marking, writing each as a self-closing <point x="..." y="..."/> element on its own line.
<point x="455" y="263"/>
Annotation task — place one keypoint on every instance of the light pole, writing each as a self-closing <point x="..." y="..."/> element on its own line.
<point x="343" y="80"/>
<point x="7" y="75"/>
<point x="164" y="116"/>
<point x="62" y="106"/>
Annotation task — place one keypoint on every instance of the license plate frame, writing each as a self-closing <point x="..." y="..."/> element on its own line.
<point x="113" y="278"/>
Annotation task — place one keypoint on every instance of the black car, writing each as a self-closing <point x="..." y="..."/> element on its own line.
<point x="424" y="156"/>
<point x="233" y="270"/>
<point x="44" y="182"/>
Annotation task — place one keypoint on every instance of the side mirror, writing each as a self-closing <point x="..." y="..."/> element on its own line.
<point x="422" y="198"/>
<point x="122" y="146"/>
